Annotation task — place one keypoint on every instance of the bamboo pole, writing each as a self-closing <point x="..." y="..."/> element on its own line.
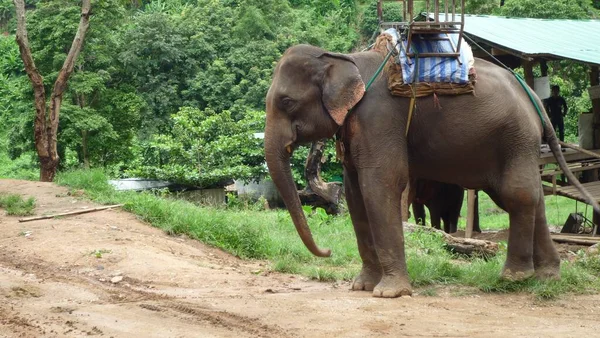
<point x="36" y="218"/>
<point x="579" y="149"/>
<point x="470" y="213"/>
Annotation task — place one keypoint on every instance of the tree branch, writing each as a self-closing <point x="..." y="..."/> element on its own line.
<point x="63" y="76"/>
<point x="35" y="78"/>
<point x="46" y="127"/>
<point x="330" y="192"/>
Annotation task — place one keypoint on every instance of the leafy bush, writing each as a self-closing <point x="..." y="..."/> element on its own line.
<point x="15" y="204"/>
<point x="204" y="149"/>
<point x="549" y="9"/>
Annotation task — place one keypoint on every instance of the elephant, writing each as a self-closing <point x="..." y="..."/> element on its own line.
<point x="489" y="141"/>
<point x="444" y="202"/>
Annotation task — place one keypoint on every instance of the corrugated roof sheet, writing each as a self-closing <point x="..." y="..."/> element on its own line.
<point x="566" y="39"/>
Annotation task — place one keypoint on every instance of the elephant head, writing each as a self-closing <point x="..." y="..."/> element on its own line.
<point x="309" y="98"/>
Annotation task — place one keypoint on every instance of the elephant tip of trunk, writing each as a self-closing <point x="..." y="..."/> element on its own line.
<point x="322" y="252"/>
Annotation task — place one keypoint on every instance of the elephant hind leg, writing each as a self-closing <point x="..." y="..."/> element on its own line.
<point x="519" y="195"/>
<point x="450" y="222"/>
<point x="546" y="260"/>
<point x="419" y="213"/>
<point x="435" y="216"/>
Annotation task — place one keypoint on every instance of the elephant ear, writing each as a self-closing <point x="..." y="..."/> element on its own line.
<point x="342" y="86"/>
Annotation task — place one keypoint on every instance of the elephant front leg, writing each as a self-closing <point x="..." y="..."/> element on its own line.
<point x="381" y="191"/>
<point x="370" y="274"/>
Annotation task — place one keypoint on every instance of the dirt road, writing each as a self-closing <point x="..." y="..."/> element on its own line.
<point x="108" y="274"/>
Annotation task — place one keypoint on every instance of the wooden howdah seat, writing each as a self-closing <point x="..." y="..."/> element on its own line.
<point x="431" y="56"/>
<point x="438" y="23"/>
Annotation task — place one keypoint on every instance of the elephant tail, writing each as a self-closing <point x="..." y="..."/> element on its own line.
<point x="552" y="140"/>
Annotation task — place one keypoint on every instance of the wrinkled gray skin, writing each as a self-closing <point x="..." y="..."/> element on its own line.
<point x="488" y="141"/>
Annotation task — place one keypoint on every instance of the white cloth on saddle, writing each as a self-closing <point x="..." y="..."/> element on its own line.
<point x="434" y="68"/>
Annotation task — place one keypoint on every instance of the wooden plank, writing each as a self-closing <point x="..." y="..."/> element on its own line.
<point x="574" y="191"/>
<point x="470" y="213"/>
<point x="589" y="185"/>
<point x="579" y="236"/>
<point x="36" y="218"/>
<point x="569" y="155"/>
<point x="581" y="150"/>
<point x="575" y="240"/>
<point x="572" y="168"/>
<point x="593" y="191"/>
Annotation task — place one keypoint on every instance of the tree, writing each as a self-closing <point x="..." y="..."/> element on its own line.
<point x="481" y="6"/>
<point x="549" y="9"/>
<point x="205" y="149"/>
<point x="46" y="122"/>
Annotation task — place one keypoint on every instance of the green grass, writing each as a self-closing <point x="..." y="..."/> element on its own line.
<point x="270" y="235"/>
<point x="15" y="205"/>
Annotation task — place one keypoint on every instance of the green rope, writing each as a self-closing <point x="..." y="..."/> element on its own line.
<point x="387" y="57"/>
<point x="528" y="91"/>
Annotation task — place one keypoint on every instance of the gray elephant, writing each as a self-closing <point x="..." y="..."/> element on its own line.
<point x="488" y="141"/>
<point x="444" y="202"/>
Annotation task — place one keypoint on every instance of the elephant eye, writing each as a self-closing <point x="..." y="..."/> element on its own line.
<point x="287" y="102"/>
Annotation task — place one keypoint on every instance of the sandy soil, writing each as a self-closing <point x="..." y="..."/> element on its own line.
<point x="148" y="284"/>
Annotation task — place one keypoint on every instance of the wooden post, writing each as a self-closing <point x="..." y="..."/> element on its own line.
<point x="470" y="213"/>
<point x="404" y="204"/>
<point x="594" y="81"/>
<point x="476" y="226"/>
<point x="544" y="67"/>
<point x="528" y="69"/>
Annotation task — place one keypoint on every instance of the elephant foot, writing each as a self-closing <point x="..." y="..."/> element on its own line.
<point x="549" y="272"/>
<point x="516" y="275"/>
<point x="547" y="267"/>
<point x="366" y="280"/>
<point x="392" y="287"/>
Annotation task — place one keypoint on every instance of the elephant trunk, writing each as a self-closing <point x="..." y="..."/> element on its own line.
<point x="278" y="161"/>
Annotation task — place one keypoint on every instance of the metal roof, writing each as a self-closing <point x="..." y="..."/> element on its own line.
<point x="577" y="40"/>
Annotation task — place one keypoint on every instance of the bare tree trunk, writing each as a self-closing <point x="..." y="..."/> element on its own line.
<point x="329" y="192"/>
<point x="84" y="135"/>
<point x="46" y="125"/>
<point x="318" y="193"/>
<point x="84" y="148"/>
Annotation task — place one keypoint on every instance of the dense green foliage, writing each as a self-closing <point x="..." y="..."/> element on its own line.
<point x="549" y="9"/>
<point x="175" y="89"/>
<point x="166" y="89"/>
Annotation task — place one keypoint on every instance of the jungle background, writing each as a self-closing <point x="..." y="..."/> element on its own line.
<point x="175" y="89"/>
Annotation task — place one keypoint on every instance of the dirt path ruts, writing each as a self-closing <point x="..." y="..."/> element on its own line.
<point x="56" y="280"/>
